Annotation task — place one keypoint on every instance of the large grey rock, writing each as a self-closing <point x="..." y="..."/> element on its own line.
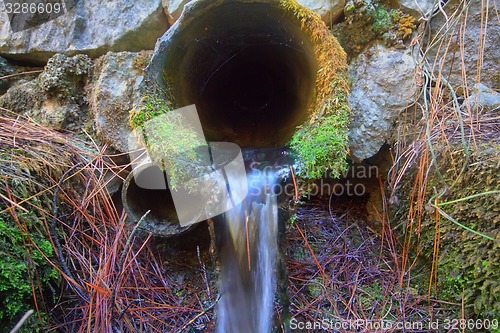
<point x="92" y="27"/>
<point x="382" y="88"/>
<point x="477" y="29"/>
<point x="329" y="10"/>
<point x="112" y="94"/>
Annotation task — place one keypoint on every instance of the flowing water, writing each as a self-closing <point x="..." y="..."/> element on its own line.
<point x="248" y="236"/>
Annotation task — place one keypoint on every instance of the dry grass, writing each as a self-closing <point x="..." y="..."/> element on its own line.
<point x="438" y="119"/>
<point x="343" y="271"/>
<point x="115" y="280"/>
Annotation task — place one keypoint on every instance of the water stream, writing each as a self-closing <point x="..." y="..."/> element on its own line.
<point x="248" y="249"/>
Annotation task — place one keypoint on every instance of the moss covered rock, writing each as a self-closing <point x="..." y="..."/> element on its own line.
<point x="367" y="20"/>
<point x="463" y="220"/>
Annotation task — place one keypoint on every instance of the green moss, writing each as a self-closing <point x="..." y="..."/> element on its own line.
<point x="150" y="107"/>
<point x="322" y="146"/>
<point x="382" y="20"/>
<point x="391" y="24"/>
<point x="371" y="294"/>
<point x="316" y="287"/>
<point x="170" y="142"/>
<point x="22" y="267"/>
<point x="321" y="143"/>
<point x="25" y="272"/>
<point x="477" y="278"/>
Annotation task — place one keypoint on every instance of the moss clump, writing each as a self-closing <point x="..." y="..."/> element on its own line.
<point x="25" y="274"/>
<point x="22" y="266"/>
<point x="382" y="19"/>
<point x="170" y="141"/>
<point x="321" y="143"/>
<point x="392" y="25"/>
<point x="149" y="107"/>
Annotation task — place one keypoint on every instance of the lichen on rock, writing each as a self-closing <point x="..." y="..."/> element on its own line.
<point x="383" y="85"/>
<point x="56" y="97"/>
<point x="366" y="21"/>
<point x="64" y="77"/>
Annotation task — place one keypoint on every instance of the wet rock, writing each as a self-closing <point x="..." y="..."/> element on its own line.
<point x="483" y="99"/>
<point x="329" y="10"/>
<point x="476" y="29"/>
<point x="382" y="88"/>
<point x="112" y="94"/>
<point x="91" y="27"/>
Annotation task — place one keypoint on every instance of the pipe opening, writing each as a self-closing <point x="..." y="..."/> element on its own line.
<point x="262" y="73"/>
<point x="250" y="70"/>
<point x="140" y="199"/>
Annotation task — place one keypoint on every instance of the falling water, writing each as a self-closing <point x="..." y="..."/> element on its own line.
<point x="248" y="250"/>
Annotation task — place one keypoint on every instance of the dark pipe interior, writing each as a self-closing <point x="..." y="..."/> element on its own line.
<point x="249" y="69"/>
<point x="159" y="202"/>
